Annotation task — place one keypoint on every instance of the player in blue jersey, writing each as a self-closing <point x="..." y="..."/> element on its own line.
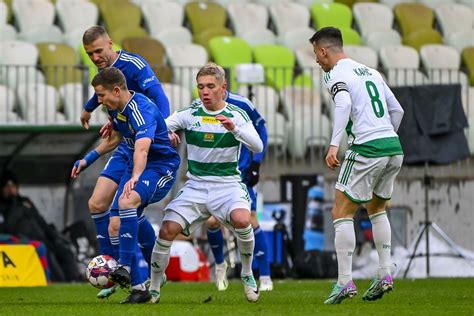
<point x="140" y="78"/>
<point x="150" y="172"/>
<point x="249" y="165"/>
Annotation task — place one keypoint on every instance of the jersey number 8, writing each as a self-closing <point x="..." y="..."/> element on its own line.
<point x="374" y="95"/>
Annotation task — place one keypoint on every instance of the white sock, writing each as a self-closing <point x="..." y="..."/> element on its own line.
<point x="344" y="241"/>
<point x="159" y="261"/>
<point x="140" y="287"/>
<point x="382" y="239"/>
<point x="246" y="243"/>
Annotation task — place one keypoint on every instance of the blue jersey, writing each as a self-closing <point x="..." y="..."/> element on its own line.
<point x="141" y="119"/>
<point x="140" y="78"/>
<point x="246" y="156"/>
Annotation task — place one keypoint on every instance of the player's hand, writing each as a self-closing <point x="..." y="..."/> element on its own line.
<point x="253" y="174"/>
<point x="129" y="187"/>
<point x="85" y="117"/>
<point x="106" y="130"/>
<point x="78" y="167"/>
<point x="226" y="121"/>
<point x="174" y="138"/>
<point x="331" y="158"/>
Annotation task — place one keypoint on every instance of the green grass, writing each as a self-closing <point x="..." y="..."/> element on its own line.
<point x="420" y="297"/>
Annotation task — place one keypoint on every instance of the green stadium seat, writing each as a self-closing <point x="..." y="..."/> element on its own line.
<point x="278" y="62"/>
<point x="468" y="60"/>
<point x="86" y="61"/>
<point x="228" y="52"/>
<point x="154" y="53"/>
<point x="350" y="3"/>
<point x="205" y="15"/>
<point x="350" y="36"/>
<point x="422" y="37"/>
<point x="331" y="14"/>
<point x="59" y="63"/>
<point x="205" y="36"/>
<point x="117" y="15"/>
<point x="413" y="17"/>
<point x="118" y="35"/>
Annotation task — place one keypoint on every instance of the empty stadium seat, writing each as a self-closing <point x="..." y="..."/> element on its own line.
<point x="76" y="14"/>
<point x="460" y="40"/>
<point x="7" y="102"/>
<point x="372" y="17"/>
<point x="377" y="40"/>
<point x="33" y="13"/>
<point x="393" y="3"/>
<point x="433" y="4"/>
<point x="247" y="17"/>
<point x="205" y="15"/>
<point x="417" y="39"/>
<point x="121" y="33"/>
<point x="73" y="100"/>
<point x="186" y="61"/>
<point x="178" y="96"/>
<point x="59" y="63"/>
<point x="413" y="17"/>
<point x="350" y="36"/>
<point x="331" y="14"/>
<point x="289" y="15"/>
<point x="401" y="65"/>
<point x="162" y="15"/>
<point x="278" y="62"/>
<point x="46" y="33"/>
<point x="205" y="36"/>
<point x="442" y="64"/>
<point x="297" y="37"/>
<point x="115" y="14"/>
<point x="309" y="3"/>
<point x="174" y="36"/>
<point x="468" y="60"/>
<point x="454" y="18"/>
<point x="3" y="13"/>
<point x="39" y="103"/>
<point x="259" y="37"/>
<point x="7" y="32"/>
<point x="362" y="54"/>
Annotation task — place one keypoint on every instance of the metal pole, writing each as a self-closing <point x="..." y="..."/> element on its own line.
<point x="427" y="183"/>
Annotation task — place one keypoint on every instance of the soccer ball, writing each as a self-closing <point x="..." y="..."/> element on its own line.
<point x="98" y="270"/>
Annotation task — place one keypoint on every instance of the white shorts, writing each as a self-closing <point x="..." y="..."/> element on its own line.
<point x="360" y="177"/>
<point x="198" y="200"/>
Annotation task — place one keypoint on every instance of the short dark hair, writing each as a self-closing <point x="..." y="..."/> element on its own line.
<point x="330" y="35"/>
<point x="109" y="78"/>
<point x="8" y="176"/>
<point x="93" y="33"/>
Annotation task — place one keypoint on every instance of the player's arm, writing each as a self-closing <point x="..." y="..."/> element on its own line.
<point x="153" y="90"/>
<point x="394" y="108"/>
<point x="342" y="111"/>
<point x="244" y="133"/>
<point x="105" y="146"/>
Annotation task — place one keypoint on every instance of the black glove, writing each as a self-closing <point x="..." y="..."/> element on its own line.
<point x="253" y="174"/>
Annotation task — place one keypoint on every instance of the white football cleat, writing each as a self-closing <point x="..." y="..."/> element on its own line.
<point x="266" y="284"/>
<point x="221" y="276"/>
<point x="250" y="288"/>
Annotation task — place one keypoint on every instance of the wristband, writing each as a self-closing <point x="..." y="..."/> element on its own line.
<point x="91" y="157"/>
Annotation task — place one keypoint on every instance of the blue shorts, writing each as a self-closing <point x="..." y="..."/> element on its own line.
<point x="116" y="166"/>
<point x="152" y="186"/>
<point x="253" y="199"/>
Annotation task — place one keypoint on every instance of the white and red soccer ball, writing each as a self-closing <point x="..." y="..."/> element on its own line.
<point x="98" y="270"/>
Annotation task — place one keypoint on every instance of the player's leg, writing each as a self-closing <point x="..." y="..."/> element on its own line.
<point x="146" y="238"/>
<point x="381" y="228"/>
<point x="216" y="241"/>
<point x="260" y="251"/>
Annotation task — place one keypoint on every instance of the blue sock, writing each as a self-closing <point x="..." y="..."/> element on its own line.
<point x="128" y="235"/>
<point x="114" y="240"/>
<point x="260" y="252"/>
<point x="101" y="221"/>
<point x="216" y="241"/>
<point x="135" y="272"/>
<point x="146" y="238"/>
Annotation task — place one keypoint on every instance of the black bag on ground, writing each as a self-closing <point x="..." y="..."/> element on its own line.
<point x="316" y="264"/>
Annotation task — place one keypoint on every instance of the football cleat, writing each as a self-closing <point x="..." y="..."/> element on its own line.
<point x="137" y="297"/>
<point x="155" y="297"/>
<point x="377" y="288"/>
<point x="221" y="276"/>
<point x="250" y="288"/>
<point x="266" y="284"/>
<point x="105" y="293"/>
<point x="121" y="276"/>
<point x="341" y="292"/>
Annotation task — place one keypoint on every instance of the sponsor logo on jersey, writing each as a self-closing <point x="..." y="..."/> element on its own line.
<point x="142" y="132"/>
<point x="210" y="120"/>
<point x="208" y="137"/>
<point x="148" y="80"/>
<point x="146" y="182"/>
<point x="121" y="117"/>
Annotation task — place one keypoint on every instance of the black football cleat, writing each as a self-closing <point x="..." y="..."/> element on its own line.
<point x="121" y="277"/>
<point x="137" y="297"/>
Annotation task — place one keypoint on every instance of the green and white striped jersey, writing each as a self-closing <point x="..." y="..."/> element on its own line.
<point x="213" y="151"/>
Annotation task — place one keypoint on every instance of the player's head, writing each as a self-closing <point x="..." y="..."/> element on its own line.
<point x="211" y="85"/>
<point x="327" y="44"/>
<point x="98" y="46"/>
<point x="111" y="88"/>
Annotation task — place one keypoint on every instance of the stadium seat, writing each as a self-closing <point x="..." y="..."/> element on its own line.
<point x="351" y="3"/>
<point x="45" y="33"/>
<point x="73" y="38"/>
<point x="59" y="63"/>
<point x="362" y="54"/>
<point x="178" y="96"/>
<point x="8" y="102"/>
<point x="227" y="3"/>
<point x="161" y="15"/>
<point x="246" y="17"/>
<point x="350" y="36"/>
<point x="205" y="36"/>
<point x="331" y="14"/>
<point x="115" y="15"/>
<point x="267" y="101"/>
<point x="186" y="60"/>
<point x="433" y="4"/>
<point x="460" y="40"/>
<point x="153" y="52"/>
<point x="259" y="37"/>
<point x="118" y="35"/>
<point x="3" y="13"/>
<point x="297" y="37"/>
<point x="174" y="36"/>
<point x="8" y="32"/>
<point x="401" y="65"/>
<point x="442" y="65"/>
<point x="268" y="3"/>
<point x="372" y="17"/>
<point x="308" y="127"/>
<point x="289" y="15"/>
<point x="454" y="18"/>
<point x="69" y="18"/>
<point x="278" y="62"/>
<point x="39" y="103"/>
<point x="205" y="15"/>
<point x="377" y="40"/>
<point x="33" y="13"/>
<point x="86" y="61"/>
<point x="413" y="17"/>
<point x="417" y="39"/>
<point x="468" y="60"/>
<point x="73" y="99"/>
<point x="309" y="3"/>
<point x="393" y="3"/>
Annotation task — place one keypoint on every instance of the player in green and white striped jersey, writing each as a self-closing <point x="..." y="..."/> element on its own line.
<point x="369" y="112"/>
<point x="214" y="131"/>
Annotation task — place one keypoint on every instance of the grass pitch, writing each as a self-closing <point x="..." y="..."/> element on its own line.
<point x="419" y="297"/>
